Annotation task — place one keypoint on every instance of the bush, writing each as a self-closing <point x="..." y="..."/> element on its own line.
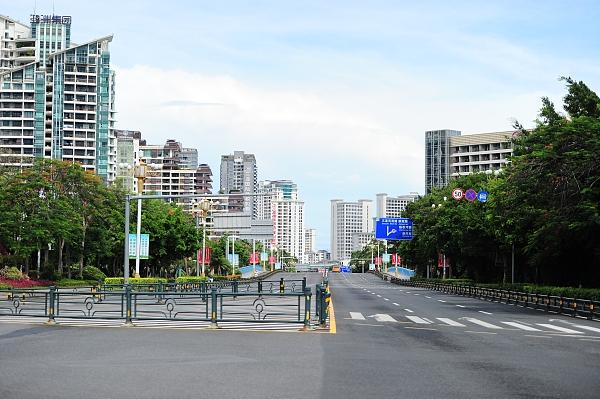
<point x="133" y="280"/>
<point x="93" y="273"/>
<point x="190" y="279"/>
<point x="4" y="286"/>
<point x="24" y="283"/>
<point x="12" y="273"/>
<point x="66" y="282"/>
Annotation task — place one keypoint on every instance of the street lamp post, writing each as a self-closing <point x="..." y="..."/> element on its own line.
<point x="433" y="206"/>
<point x="140" y="175"/>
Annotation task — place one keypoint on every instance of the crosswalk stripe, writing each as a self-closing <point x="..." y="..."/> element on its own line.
<point x="519" y="325"/>
<point x="483" y="323"/>
<point x="561" y="329"/>
<point x="357" y="316"/>
<point x="383" y="317"/>
<point x="587" y="328"/>
<point x="450" y="322"/>
<point x="441" y="300"/>
<point x="417" y="319"/>
<point x="409" y="311"/>
<point x="484" y="312"/>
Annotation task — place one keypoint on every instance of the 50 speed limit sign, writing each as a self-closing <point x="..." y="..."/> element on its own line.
<point x="458" y="194"/>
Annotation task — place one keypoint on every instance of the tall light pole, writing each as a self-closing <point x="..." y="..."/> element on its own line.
<point x="140" y="175"/>
<point x="433" y="206"/>
<point x="205" y="206"/>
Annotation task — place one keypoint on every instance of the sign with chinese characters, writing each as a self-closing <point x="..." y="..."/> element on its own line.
<point x="144" y="245"/>
<point x="50" y="19"/>
<point x="394" y="229"/>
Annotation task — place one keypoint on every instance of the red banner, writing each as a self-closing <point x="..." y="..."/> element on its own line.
<point x="378" y="260"/>
<point x="271" y="260"/>
<point x="206" y="258"/>
<point x="254" y="258"/>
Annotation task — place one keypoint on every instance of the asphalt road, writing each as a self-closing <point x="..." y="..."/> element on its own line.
<point x="443" y="351"/>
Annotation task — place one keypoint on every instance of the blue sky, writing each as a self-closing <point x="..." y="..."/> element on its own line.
<point x="334" y="95"/>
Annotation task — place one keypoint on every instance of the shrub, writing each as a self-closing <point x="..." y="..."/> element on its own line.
<point x="93" y="273"/>
<point x="12" y="273"/>
<point x="65" y="282"/>
<point x="133" y="280"/>
<point x="190" y="279"/>
<point x="4" y="286"/>
<point x="25" y="283"/>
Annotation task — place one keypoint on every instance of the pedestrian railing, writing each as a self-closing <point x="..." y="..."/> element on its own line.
<point x="322" y="300"/>
<point x="558" y="304"/>
<point x="129" y="304"/>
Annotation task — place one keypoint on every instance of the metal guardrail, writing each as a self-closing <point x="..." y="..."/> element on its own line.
<point x="563" y="305"/>
<point x="129" y="305"/>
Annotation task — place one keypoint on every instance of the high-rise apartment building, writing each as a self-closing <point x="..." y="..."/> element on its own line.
<point x="348" y="218"/>
<point x="56" y="98"/>
<point x="387" y="206"/>
<point x="169" y="172"/>
<point x="448" y="154"/>
<point x="239" y="176"/>
<point x="437" y="149"/>
<point x="279" y="202"/>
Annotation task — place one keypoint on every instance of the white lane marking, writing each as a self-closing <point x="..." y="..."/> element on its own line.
<point x="588" y="340"/>
<point x="450" y="322"/>
<point x="417" y="319"/>
<point x="538" y="336"/>
<point x="519" y="325"/>
<point x="422" y="328"/>
<point x="357" y="316"/>
<point x="441" y="300"/>
<point x="428" y="297"/>
<point x="370" y="325"/>
<point x="483" y="323"/>
<point x="480" y="332"/>
<point x="364" y="289"/>
<point x="383" y="317"/>
<point x="417" y="294"/>
<point x="372" y="293"/>
<point x="561" y="329"/>
<point x="461" y="306"/>
<point x="481" y="311"/>
<point x="409" y="311"/>
<point x="385" y="299"/>
<point x="378" y="296"/>
<point x="586" y="327"/>
<point x="396" y="304"/>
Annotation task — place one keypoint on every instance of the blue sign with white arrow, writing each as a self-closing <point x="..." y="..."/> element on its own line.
<point x="393" y="229"/>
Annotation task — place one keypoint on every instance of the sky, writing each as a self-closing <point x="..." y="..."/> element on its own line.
<point x="334" y="95"/>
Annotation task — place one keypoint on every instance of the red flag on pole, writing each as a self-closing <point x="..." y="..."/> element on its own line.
<point x="204" y="258"/>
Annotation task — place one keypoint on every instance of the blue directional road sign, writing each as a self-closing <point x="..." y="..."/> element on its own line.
<point x="393" y="229"/>
<point x="482" y="196"/>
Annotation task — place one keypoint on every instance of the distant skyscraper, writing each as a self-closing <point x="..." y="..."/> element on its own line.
<point x="348" y="218"/>
<point x="279" y="202"/>
<point x="60" y="97"/>
<point x="239" y="176"/>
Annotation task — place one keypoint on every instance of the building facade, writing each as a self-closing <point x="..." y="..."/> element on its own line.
<point x="449" y="155"/>
<point x="310" y="243"/>
<point x="387" y="206"/>
<point x="361" y="240"/>
<point x="239" y="176"/>
<point x="437" y="150"/>
<point x="348" y="218"/>
<point x="278" y="201"/>
<point x="128" y="151"/>
<point x="483" y="152"/>
<point x="56" y="98"/>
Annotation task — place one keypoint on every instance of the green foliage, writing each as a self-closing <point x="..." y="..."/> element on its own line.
<point x="545" y="205"/>
<point x="12" y="273"/>
<point x="4" y="286"/>
<point x="190" y="279"/>
<point x="133" y="280"/>
<point x="66" y="282"/>
<point x="93" y="273"/>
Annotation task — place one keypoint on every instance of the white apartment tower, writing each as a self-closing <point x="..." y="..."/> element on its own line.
<point x="56" y="98"/>
<point x="279" y="202"/>
<point x="239" y="176"/>
<point x="348" y="218"/>
<point x="393" y="207"/>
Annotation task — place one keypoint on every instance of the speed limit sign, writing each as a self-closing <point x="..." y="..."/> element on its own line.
<point x="458" y="194"/>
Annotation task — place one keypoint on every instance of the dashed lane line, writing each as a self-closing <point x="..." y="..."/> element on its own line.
<point x="519" y="325"/>
<point x="561" y="329"/>
<point x="409" y="311"/>
<point x="484" y="312"/>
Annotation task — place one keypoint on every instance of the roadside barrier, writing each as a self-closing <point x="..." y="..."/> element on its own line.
<point x="271" y="301"/>
<point x="558" y="304"/>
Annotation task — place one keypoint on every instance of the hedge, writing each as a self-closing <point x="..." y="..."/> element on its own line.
<point x="66" y="282"/>
<point x="133" y="280"/>
<point x="190" y="279"/>
<point x="93" y="273"/>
